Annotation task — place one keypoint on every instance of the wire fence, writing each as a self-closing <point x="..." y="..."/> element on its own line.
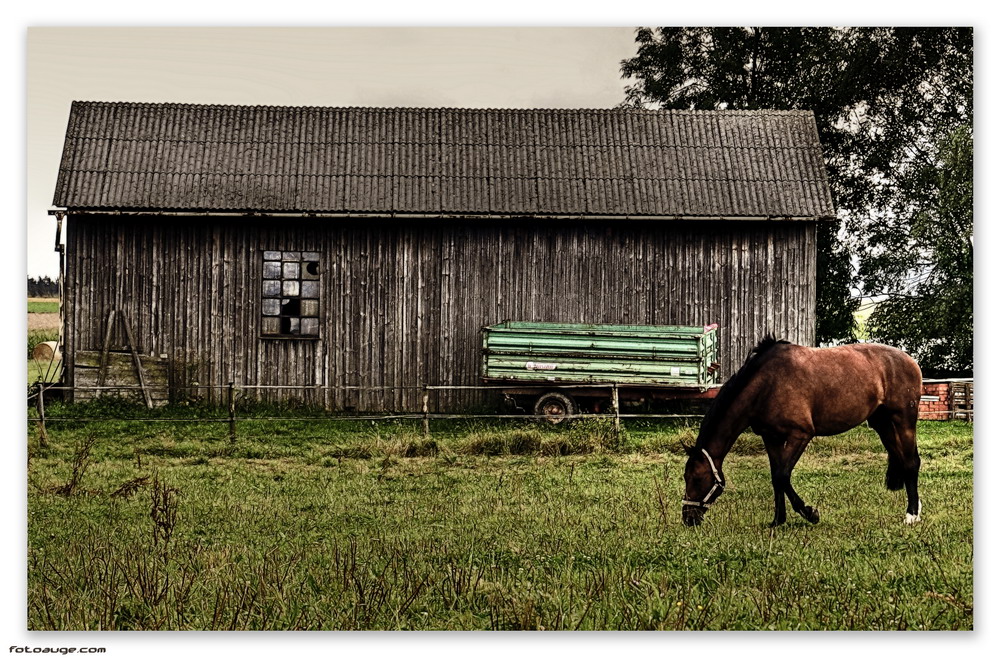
<point x="237" y="410"/>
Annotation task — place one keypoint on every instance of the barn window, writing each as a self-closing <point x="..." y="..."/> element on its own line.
<point x="290" y="294"/>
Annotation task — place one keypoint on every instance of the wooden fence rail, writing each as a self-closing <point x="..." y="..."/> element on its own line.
<point x="960" y="400"/>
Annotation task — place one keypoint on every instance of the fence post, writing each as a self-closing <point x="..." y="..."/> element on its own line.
<point x="40" y="406"/>
<point x="426" y="411"/>
<point x="614" y="406"/>
<point x="232" y="412"/>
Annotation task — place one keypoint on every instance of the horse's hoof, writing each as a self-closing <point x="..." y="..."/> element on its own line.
<point x="776" y="523"/>
<point x="912" y="518"/>
<point x="810" y="514"/>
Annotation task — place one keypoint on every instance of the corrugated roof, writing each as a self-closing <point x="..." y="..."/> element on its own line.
<point x="144" y="156"/>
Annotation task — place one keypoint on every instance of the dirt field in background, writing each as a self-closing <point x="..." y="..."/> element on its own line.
<point x="43" y="321"/>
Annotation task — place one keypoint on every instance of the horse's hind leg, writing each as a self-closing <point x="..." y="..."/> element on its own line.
<point x="783" y="453"/>
<point x="898" y="431"/>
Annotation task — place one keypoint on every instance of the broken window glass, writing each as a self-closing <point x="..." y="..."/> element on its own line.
<point x="290" y="293"/>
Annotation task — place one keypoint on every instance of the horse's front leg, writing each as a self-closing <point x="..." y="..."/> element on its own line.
<point x="783" y="454"/>
<point x="774" y="456"/>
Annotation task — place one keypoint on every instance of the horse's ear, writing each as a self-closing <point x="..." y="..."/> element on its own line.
<point x="688" y="449"/>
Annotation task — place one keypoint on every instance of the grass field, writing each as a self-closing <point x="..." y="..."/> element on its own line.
<point x="140" y="525"/>
<point x="43" y="305"/>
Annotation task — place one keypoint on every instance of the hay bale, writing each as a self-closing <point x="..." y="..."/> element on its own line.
<point x="47" y="351"/>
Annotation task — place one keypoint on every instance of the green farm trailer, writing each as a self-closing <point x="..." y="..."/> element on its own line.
<point x="561" y="369"/>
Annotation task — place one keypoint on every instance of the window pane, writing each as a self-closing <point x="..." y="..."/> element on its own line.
<point x="272" y="287"/>
<point x="310" y="256"/>
<point x="271" y="326"/>
<point x="269" y="307"/>
<point x="310" y="289"/>
<point x="272" y="270"/>
<point x="290" y="288"/>
<point x="310" y="327"/>
<point x="310" y="308"/>
<point x="291" y="307"/>
<point x="310" y="270"/>
<point x="272" y="255"/>
<point x="291" y="256"/>
<point x="290" y="271"/>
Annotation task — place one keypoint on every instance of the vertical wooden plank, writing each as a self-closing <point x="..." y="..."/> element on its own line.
<point x="809" y="280"/>
<point x="793" y="267"/>
<point x="242" y="256"/>
<point x="72" y="291"/>
<point x="768" y="283"/>
<point x="155" y="290"/>
<point x="447" y="374"/>
<point x="736" y="327"/>
<point x="356" y="332"/>
<point x="332" y="290"/>
<point x="751" y="270"/>
<point x="395" y="332"/>
<point x="183" y="315"/>
<point x="420" y="307"/>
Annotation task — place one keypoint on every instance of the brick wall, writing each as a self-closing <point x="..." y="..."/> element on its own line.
<point x="934" y="401"/>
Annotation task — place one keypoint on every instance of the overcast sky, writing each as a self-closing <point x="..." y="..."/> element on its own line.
<point x="487" y="67"/>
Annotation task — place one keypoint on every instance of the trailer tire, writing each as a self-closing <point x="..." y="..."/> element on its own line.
<point x="555" y="407"/>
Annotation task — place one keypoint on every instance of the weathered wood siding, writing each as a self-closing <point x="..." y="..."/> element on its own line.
<point x="403" y="302"/>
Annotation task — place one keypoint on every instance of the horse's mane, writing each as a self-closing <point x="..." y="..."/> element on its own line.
<point x="732" y="387"/>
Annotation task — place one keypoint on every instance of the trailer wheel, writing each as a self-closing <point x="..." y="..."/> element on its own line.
<point x="555" y="407"/>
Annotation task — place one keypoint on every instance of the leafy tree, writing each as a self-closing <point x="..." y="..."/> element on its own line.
<point x="882" y="98"/>
<point x="43" y="287"/>
<point x="928" y="310"/>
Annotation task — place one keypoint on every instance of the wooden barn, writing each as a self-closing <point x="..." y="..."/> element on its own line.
<point x="367" y="247"/>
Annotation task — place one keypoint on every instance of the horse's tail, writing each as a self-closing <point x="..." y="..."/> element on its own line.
<point x="894" y="473"/>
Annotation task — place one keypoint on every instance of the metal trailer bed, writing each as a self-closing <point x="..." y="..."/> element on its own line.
<point x="561" y="369"/>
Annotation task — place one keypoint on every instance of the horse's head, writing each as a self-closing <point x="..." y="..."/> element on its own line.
<point x="703" y="483"/>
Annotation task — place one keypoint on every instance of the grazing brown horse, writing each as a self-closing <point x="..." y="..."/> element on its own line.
<point x="789" y="394"/>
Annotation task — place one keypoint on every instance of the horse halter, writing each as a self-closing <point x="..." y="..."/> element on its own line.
<point x="718" y="485"/>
